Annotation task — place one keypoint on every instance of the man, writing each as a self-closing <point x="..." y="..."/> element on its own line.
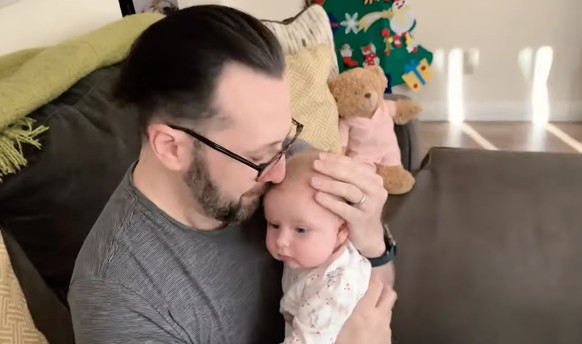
<point x="176" y="255"/>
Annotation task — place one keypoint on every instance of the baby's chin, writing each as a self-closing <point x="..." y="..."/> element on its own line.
<point x="294" y="264"/>
<point x="289" y="262"/>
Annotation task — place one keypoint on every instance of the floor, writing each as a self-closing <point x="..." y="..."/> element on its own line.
<point x="514" y="136"/>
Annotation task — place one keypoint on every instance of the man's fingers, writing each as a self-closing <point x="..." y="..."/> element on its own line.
<point x="352" y="179"/>
<point x="372" y="296"/>
<point x="342" y="168"/>
<point x="387" y="300"/>
<point x="346" y="191"/>
<point x="341" y="209"/>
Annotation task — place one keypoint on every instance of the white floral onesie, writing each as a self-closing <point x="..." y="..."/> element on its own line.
<point x="321" y="299"/>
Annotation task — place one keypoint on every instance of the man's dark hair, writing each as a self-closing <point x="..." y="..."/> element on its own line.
<point x="173" y="66"/>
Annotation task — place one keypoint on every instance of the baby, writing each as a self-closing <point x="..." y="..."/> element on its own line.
<point x="324" y="276"/>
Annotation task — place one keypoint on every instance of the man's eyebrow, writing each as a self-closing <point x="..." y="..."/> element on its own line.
<point x="272" y="144"/>
<point x="263" y="148"/>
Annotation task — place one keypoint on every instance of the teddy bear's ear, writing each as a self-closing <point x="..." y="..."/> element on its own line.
<point x="377" y="70"/>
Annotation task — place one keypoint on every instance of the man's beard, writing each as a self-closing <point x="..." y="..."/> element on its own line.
<point x="214" y="203"/>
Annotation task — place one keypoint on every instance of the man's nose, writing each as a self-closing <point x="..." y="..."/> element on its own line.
<point x="277" y="173"/>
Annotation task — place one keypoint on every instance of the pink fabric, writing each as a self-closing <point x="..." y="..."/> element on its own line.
<point x="372" y="140"/>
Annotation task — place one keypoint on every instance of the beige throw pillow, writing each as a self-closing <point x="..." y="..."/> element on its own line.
<point x="307" y="29"/>
<point x="16" y="324"/>
<point x="307" y="42"/>
<point x="311" y="100"/>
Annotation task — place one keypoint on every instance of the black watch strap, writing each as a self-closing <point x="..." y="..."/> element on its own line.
<point x="390" y="253"/>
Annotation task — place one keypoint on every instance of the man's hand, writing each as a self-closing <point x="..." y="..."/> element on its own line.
<point x="363" y="189"/>
<point x="370" y="321"/>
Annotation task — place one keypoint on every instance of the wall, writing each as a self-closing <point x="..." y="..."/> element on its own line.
<point x="507" y="36"/>
<point x="273" y="10"/>
<point x="503" y="32"/>
<point x="32" y="23"/>
<point x="264" y="9"/>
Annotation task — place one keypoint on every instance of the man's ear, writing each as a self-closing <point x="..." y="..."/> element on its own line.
<point x="171" y="147"/>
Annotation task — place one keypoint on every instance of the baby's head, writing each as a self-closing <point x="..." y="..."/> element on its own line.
<point x="300" y="232"/>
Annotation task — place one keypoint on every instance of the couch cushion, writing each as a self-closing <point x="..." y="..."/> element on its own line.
<point x="50" y="206"/>
<point x="489" y="249"/>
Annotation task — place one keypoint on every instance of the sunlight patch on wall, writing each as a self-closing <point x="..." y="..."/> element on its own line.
<point x="455" y="99"/>
<point x="540" y="99"/>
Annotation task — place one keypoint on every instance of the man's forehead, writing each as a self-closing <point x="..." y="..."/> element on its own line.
<point x="255" y="102"/>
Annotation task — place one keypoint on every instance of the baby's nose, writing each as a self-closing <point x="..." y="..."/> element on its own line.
<point x="282" y="240"/>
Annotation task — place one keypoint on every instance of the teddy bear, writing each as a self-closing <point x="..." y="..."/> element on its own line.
<point x="366" y="123"/>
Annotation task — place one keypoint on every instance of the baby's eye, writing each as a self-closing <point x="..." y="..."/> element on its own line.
<point x="301" y="230"/>
<point x="272" y="225"/>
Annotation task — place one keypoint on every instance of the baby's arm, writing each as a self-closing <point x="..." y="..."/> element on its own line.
<point x="326" y="308"/>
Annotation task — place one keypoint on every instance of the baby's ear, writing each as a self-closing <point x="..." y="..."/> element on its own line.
<point x="343" y="232"/>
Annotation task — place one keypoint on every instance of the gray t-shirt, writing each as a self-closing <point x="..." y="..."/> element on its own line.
<point x="142" y="277"/>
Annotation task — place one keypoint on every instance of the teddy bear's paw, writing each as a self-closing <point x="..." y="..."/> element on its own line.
<point x="406" y="110"/>
<point x="397" y="180"/>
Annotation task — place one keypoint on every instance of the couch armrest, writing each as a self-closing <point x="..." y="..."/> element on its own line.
<point x="409" y="146"/>
<point x="407" y="139"/>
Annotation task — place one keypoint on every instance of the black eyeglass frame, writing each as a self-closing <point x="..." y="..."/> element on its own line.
<point x="260" y="168"/>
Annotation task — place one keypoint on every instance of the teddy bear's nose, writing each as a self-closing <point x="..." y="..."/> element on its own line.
<point x="368" y="95"/>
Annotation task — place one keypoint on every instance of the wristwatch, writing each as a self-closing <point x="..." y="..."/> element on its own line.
<point x="390" y="253"/>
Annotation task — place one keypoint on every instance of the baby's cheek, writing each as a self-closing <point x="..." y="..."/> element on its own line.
<point x="270" y="241"/>
<point x="316" y="251"/>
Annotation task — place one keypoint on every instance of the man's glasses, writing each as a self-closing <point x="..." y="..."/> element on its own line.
<point x="263" y="168"/>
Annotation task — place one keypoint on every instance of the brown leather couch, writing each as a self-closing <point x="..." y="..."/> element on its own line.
<point x="489" y="249"/>
<point x="488" y="241"/>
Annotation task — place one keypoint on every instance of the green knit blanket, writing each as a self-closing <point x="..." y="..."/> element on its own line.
<point x="33" y="77"/>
